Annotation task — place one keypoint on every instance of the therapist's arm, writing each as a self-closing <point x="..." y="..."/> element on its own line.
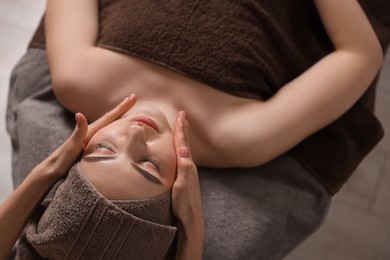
<point x="17" y="209"/>
<point x="186" y="197"/>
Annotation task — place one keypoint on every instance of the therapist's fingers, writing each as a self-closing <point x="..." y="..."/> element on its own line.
<point x="80" y="130"/>
<point x="67" y="154"/>
<point x="182" y="146"/>
<point x="111" y="116"/>
<point x="181" y="138"/>
<point x="186" y="197"/>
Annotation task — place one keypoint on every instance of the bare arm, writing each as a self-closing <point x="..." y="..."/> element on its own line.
<point x="18" y="208"/>
<point x="76" y="65"/>
<point x="314" y="99"/>
<point x="186" y="198"/>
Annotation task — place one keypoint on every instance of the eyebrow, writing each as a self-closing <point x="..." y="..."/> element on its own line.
<point x="150" y="177"/>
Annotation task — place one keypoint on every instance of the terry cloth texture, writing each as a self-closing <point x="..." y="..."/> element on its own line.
<point x="259" y="213"/>
<point x="252" y="49"/>
<point x="79" y="223"/>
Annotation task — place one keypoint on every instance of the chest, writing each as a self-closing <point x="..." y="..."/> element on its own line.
<point x="223" y="43"/>
<point x="207" y="108"/>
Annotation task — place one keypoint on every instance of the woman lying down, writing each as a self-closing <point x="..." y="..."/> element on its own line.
<point x="94" y="213"/>
<point x="110" y="205"/>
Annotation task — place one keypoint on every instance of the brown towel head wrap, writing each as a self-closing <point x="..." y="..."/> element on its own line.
<point x="79" y="223"/>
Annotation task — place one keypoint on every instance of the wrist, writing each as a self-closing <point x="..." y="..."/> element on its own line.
<point x="193" y="229"/>
<point x="190" y="242"/>
<point x="48" y="170"/>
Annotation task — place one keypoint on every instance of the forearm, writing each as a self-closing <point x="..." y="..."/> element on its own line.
<point x="314" y="99"/>
<point x="20" y="205"/>
<point x="333" y="85"/>
<point x="349" y="29"/>
<point x="190" y="242"/>
<point x="18" y="208"/>
<point x="186" y="197"/>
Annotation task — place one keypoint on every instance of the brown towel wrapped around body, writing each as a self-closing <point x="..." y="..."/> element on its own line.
<point x="251" y="49"/>
<point x="79" y="223"/>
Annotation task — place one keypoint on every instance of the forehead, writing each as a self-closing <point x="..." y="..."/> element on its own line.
<point x="115" y="181"/>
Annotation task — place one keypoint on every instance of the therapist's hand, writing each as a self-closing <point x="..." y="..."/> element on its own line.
<point x="186" y="197"/>
<point x="62" y="159"/>
<point x="16" y="210"/>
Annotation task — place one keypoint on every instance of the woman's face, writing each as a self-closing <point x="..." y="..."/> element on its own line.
<point x="133" y="157"/>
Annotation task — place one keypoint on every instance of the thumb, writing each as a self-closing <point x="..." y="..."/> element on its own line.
<point x="81" y="128"/>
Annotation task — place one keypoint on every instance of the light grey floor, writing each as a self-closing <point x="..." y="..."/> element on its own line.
<point x="358" y="225"/>
<point x="18" y="18"/>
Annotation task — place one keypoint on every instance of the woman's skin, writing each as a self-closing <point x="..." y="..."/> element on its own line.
<point x="256" y="130"/>
<point x="128" y="159"/>
<point x="236" y="132"/>
<point x="186" y="201"/>
<point x="18" y="208"/>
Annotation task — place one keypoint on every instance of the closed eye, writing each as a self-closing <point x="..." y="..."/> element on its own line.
<point x="101" y="151"/>
<point x="147" y="175"/>
<point x="104" y="146"/>
<point x="153" y="162"/>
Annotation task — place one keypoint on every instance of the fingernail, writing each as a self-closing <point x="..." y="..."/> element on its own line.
<point x="78" y="118"/>
<point x="183" y="114"/>
<point x="127" y="98"/>
<point x="184" y="152"/>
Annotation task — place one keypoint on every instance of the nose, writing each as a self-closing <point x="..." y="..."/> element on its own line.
<point x="136" y="133"/>
<point x="137" y="130"/>
<point x="135" y="142"/>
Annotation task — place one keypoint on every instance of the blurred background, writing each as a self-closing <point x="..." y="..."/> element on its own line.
<point x="358" y="224"/>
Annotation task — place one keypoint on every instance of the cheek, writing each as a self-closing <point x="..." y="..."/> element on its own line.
<point x="170" y="158"/>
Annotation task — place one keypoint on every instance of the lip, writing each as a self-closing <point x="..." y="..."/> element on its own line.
<point x="146" y="121"/>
